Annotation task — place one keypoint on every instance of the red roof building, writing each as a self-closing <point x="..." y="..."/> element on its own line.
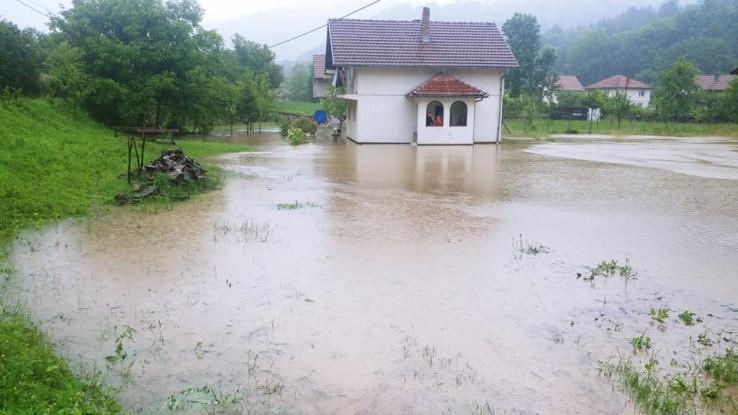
<point x="320" y="77"/>
<point x="619" y="82"/>
<point x="420" y="81"/>
<point x="715" y="83"/>
<point x="446" y="86"/>
<point x="639" y="93"/>
<point x="570" y="83"/>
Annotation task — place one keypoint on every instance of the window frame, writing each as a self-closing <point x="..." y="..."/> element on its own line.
<point x="451" y="114"/>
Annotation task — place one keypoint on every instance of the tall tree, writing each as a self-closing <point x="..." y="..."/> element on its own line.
<point x="535" y="75"/>
<point x="20" y="58"/>
<point x="675" y="91"/>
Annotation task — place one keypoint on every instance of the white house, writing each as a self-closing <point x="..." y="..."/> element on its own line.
<point x="420" y="81"/>
<point x="639" y="93"/>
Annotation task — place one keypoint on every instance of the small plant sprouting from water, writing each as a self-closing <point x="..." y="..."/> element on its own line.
<point x="484" y="409"/>
<point x="296" y="205"/>
<point x="120" y="353"/>
<point x="524" y="247"/>
<point x="641" y="343"/>
<point x="660" y="315"/>
<point x="704" y="339"/>
<point x="206" y="398"/>
<point x="688" y="318"/>
<point x="608" y="268"/>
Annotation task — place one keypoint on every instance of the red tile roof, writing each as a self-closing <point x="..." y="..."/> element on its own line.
<point x="354" y="42"/>
<point x="570" y="83"/>
<point x="619" y="82"/>
<point x="446" y="86"/>
<point x="714" y="82"/>
<point x="319" y="67"/>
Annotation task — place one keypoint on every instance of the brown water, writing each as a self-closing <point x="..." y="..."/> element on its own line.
<point x="398" y="287"/>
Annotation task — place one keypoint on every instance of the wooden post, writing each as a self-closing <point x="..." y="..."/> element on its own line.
<point x="143" y="144"/>
<point x="130" y="137"/>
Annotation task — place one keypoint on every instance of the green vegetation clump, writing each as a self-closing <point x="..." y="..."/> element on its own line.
<point x="687" y="317"/>
<point x="295" y="205"/>
<point x="306" y="125"/>
<point x="34" y="380"/>
<point x="609" y="268"/>
<point x="641" y="342"/>
<point x="660" y="315"/>
<point x="296" y="136"/>
<point x="709" y="389"/>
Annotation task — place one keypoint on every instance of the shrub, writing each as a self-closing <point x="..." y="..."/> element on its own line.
<point x="296" y="136"/>
<point x="284" y="126"/>
<point x="306" y="125"/>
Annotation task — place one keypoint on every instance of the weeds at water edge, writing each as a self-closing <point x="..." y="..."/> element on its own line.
<point x="523" y="247"/>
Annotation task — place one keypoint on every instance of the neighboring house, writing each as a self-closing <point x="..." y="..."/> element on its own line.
<point x="639" y="93"/>
<point x="714" y="83"/>
<point x="420" y="81"/>
<point x="569" y="83"/>
<point x="320" y="77"/>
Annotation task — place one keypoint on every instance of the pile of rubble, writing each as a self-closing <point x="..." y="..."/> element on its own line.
<point x="179" y="167"/>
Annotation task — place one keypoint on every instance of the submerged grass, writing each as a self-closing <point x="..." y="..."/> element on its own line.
<point x="54" y="165"/>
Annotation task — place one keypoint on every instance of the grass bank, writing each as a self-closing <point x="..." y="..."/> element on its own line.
<point x="55" y="165"/>
<point x="543" y="128"/>
<point x="305" y="108"/>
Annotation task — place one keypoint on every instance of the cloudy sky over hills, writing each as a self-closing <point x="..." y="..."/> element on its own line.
<point x="275" y="20"/>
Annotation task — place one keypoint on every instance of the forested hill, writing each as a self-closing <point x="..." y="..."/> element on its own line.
<point x="642" y="42"/>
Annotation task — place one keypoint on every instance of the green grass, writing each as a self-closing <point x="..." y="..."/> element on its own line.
<point x="299" y="107"/>
<point x="53" y="166"/>
<point x="34" y="380"/>
<point x="544" y="128"/>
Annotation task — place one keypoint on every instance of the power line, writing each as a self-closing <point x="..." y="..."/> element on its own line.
<point x="324" y="25"/>
<point x="34" y="9"/>
<point x="35" y="3"/>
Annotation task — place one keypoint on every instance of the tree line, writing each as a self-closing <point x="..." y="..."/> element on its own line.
<point x="141" y="63"/>
<point x="643" y="42"/>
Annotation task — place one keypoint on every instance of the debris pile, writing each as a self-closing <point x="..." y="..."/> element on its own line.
<point x="178" y="166"/>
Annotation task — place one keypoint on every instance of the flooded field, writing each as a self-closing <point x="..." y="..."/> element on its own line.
<point x="386" y="279"/>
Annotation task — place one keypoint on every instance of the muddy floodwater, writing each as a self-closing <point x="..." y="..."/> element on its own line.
<point x="387" y="279"/>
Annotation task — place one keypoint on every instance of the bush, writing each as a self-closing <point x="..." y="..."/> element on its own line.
<point x="296" y="136"/>
<point x="306" y="125"/>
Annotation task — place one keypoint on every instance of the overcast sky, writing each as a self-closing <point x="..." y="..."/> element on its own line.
<point x="271" y="21"/>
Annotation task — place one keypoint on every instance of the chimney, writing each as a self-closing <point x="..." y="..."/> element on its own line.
<point x="425" y="25"/>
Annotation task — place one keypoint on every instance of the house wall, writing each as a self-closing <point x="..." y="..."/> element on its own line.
<point x="320" y="88"/>
<point x="351" y="120"/>
<point x="445" y="134"/>
<point x="386" y="115"/>
<point x="634" y="95"/>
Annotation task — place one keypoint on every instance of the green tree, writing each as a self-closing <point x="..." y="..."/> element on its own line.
<point x="618" y="106"/>
<point x="675" y="90"/>
<point x="535" y="74"/>
<point x="21" y="57"/>
<point x="334" y="106"/>
<point x="299" y="84"/>
<point x="64" y="77"/>
<point x="258" y="59"/>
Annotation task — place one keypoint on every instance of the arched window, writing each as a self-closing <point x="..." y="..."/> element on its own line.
<point x="458" y="114"/>
<point x="434" y="115"/>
